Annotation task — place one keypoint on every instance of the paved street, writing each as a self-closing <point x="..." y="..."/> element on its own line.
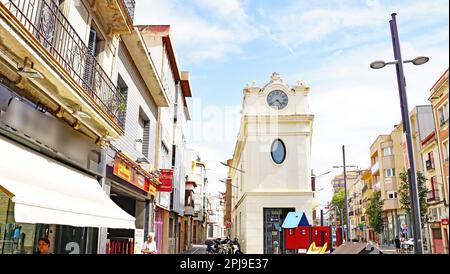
<point x="197" y="249"/>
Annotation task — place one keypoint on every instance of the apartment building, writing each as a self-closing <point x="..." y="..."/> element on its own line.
<point x="60" y="108"/>
<point x="438" y="165"/>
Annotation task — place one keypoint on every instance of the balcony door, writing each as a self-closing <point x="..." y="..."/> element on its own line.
<point x="47" y="26"/>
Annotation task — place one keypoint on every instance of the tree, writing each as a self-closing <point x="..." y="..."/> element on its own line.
<point x="375" y="212"/>
<point x="339" y="202"/>
<point x="405" y="200"/>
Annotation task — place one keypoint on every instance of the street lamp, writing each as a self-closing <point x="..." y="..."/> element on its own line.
<point x="415" y="208"/>
<point x="225" y="182"/>
<point x="323" y="174"/>
<point x="349" y="231"/>
<point x="232" y="167"/>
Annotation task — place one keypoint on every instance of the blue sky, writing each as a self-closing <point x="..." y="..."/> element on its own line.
<point x="329" y="44"/>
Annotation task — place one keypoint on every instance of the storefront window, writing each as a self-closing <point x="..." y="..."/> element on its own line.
<point x="15" y="238"/>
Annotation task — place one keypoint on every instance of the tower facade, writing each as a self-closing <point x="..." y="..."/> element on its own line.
<point x="271" y="172"/>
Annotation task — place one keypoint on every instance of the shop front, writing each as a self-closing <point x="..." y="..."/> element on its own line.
<point x="50" y="186"/>
<point x="61" y="204"/>
<point x="133" y="189"/>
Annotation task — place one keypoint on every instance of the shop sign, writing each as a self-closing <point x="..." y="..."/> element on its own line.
<point x="123" y="171"/>
<point x="139" y="239"/>
<point x="228" y="225"/>
<point x="166" y="180"/>
<point x="152" y="190"/>
<point x="129" y="174"/>
<point x="444" y="221"/>
<point x="139" y="181"/>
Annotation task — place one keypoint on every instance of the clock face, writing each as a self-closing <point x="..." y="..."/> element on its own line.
<point x="277" y="99"/>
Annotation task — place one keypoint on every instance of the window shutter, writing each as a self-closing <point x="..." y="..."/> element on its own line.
<point x="89" y="73"/>
<point x="146" y="139"/>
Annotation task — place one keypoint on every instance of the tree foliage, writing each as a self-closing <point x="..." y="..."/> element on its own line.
<point x="339" y="202"/>
<point x="403" y="192"/>
<point x="375" y="212"/>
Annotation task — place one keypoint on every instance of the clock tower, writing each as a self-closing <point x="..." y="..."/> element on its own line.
<point x="272" y="161"/>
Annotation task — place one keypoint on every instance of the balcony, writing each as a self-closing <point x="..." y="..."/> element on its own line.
<point x="390" y="204"/>
<point x="375" y="168"/>
<point x="433" y="196"/>
<point x="40" y="33"/>
<point x="130" y="6"/>
<point x="117" y="15"/>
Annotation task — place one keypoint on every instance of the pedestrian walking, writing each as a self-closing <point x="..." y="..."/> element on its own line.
<point x="397" y="244"/>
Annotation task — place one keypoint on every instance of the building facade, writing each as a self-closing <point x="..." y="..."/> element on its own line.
<point x="271" y="164"/>
<point x="60" y="107"/>
<point x="439" y="101"/>
<point x="215" y="228"/>
<point x="387" y="163"/>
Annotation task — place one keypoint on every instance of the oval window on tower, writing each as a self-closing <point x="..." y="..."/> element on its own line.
<point x="278" y="152"/>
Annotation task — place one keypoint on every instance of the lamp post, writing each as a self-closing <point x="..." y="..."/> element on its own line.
<point x="348" y="234"/>
<point x="413" y="192"/>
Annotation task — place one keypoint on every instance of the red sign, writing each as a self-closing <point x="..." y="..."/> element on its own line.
<point x="228" y="225"/>
<point x="444" y="221"/>
<point x="166" y="180"/>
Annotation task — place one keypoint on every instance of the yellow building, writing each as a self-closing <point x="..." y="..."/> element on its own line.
<point x="356" y="207"/>
<point x="387" y="163"/>
<point x="366" y="192"/>
<point x="439" y="101"/>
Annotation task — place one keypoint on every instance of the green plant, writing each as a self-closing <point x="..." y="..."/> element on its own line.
<point x="403" y="192"/>
<point x="339" y="202"/>
<point x="375" y="212"/>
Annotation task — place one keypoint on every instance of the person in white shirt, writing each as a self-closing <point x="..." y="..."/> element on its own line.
<point x="149" y="246"/>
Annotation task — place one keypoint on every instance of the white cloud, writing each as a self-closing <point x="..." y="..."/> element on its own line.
<point x="305" y="23"/>
<point x="224" y="8"/>
<point x="354" y="104"/>
<point x="200" y="38"/>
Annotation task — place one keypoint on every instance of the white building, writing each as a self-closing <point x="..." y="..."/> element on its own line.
<point x="271" y="163"/>
<point x="215" y="227"/>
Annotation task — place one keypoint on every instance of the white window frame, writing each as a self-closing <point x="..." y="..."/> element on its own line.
<point x="393" y="193"/>
<point x="443" y="114"/>
<point x="387" y="149"/>
<point x="392" y="173"/>
<point x="446" y="150"/>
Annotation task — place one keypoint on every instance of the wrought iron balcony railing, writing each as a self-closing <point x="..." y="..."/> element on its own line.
<point x="131" y="6"/>
<point x="44" y="20"/>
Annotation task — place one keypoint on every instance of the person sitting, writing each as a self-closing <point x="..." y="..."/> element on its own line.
<point x="43" y="246"/>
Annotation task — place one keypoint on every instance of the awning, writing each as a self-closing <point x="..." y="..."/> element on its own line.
<point x="45" y="191"/>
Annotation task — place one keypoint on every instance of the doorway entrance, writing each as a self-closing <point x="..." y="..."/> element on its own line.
<point x="273" y="233"/>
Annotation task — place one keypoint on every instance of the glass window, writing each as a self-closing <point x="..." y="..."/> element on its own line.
<point x="15" y="238"/>
<point x="443" y="114"/>
<point x="278" y="151"/>
<point x="387" y="151"/>
<point x="446" y="150"/>
<point x="392" y="195"/>
<point x="389" y="172"/>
